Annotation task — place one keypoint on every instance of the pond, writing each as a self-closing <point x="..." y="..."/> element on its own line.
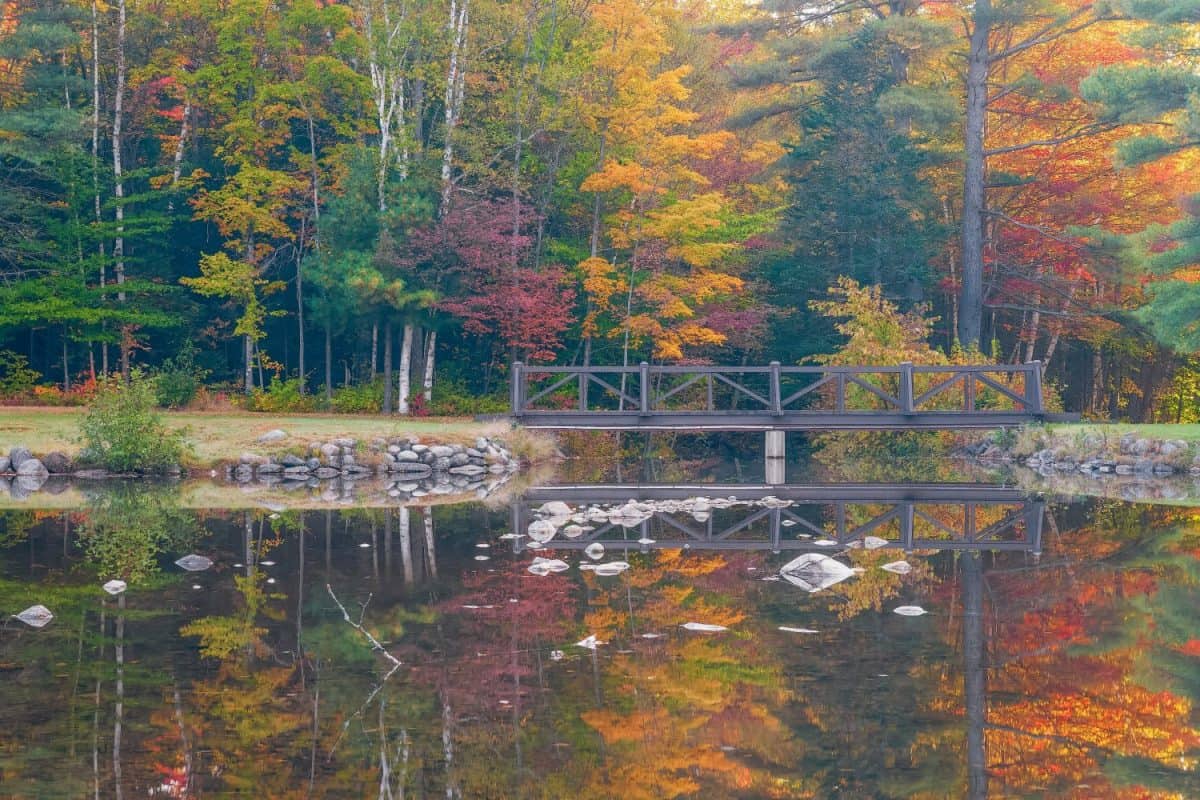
<point x="1041" y="649"/>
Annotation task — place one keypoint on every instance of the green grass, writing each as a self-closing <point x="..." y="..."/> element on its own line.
<point x="1188" y="433"/>
<point x="222" y="436"/>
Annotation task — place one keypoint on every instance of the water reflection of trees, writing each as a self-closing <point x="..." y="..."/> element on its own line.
<point x="1080" y="669"/>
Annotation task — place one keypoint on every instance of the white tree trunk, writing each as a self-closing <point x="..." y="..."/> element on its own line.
<point x="406" y="545"/>
<point x="386" y="68"/>
<point x="96" y="157"/>
<point x="405" y="368"/>
<point x="249" y="348"/>
<point x="427" y="383"/>
<point x="454" y="95"/>
<point x="180" y="147"/>
<point x="118" y="172"/>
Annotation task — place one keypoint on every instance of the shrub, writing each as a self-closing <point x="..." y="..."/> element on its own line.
<point x="17" y="378"/>
<point x="359" y="399"/>
<point x="453" y="399"/>
<point x="122" y="432"/>
<point x="282" y="396"/>
<point x="126" y="529"/>
<point x="179" y="378"/>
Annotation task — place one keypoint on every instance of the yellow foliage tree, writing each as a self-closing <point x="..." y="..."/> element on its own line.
<point x="666" y="251"/>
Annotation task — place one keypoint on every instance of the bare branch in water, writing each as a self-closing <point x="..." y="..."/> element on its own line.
<point x="375" y="645"/>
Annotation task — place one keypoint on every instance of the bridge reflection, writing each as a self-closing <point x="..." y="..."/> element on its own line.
<point x="809" y="517"/>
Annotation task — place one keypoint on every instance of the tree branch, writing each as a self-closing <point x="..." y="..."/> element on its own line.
<point x="1048" y="33"/>
<point x="1090" y="130"/>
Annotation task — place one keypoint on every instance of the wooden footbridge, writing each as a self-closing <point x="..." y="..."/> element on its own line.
<point x="778" y="398"/>
<point x="803" y="518"/>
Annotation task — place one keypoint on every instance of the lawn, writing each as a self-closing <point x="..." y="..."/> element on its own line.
<point x="223" y="436"/>
<point x="1161" y="431"/>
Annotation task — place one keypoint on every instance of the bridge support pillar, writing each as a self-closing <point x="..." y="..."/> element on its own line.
<point x="775" y="454"/>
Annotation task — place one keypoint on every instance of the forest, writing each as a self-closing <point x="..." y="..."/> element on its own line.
<point x="380" y="204"/>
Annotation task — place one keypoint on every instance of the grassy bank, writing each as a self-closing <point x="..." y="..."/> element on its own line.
<point x="1115" y="430"/>
<point x="222" y="436"/>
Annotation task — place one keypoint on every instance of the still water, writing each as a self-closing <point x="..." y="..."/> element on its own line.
<point x="412" y="652"/>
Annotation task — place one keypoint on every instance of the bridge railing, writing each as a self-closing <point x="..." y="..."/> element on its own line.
<point x="776" y="390"/>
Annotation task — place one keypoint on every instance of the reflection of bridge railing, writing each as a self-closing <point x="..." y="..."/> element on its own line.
<point x="777" y="397"/>
<point x="906" y="516"/>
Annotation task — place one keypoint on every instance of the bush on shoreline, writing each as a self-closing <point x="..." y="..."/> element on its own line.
<point x="122" y="432"/>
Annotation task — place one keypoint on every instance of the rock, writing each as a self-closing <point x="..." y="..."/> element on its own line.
<point x="555" y="508"/>
<point x="298" y="473"/>
<point x="331" y="450"/>
<point x="57" y="463"/>
<point x="441" y="451"/>
<point x="1143" y="466"/>
<point x="243" y="473"/>
<point x="377" y="445"/>
<point x="459" y="460"/>
<point x="325" y="473"/>
<point x="481" y="443"/>
<point x="269" y="468"/>
<point x="25" y="485"/>
<point x="313" y="463"/>
<point x="32" y="467"/>
<point x="291" y="460"/>
<point x="407" y="468"/>
<point x="419" y="448"/>
<point x="17" y="455"/>
<point x="1161" y="468"/>
<point x="346" y="443"/>
<point x="348" y="461"/>
<point x="475" y="452"/>
<point x="5" y="464"/>
<point x="1141" y="447"/>
<point x="441" y="464"/>
<point x="1170" y="448"/>
<point x="1127" y="442"/>
<point x="541" y="530"/>
<point x="250" y="458"/>
<point x="273" y="435"/>
<point x="408" y="455"/>
<point x="467" y="469"/>
<point x="1123" y="469"/>
<point x="394" y="449"/>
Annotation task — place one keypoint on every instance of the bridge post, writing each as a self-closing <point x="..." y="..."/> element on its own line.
<point x="1033" y="387"/>
<point x="644" y="373"/>
<point x="774" y="457"/>
<point x="776" y="390"/>
<point x="907" y="518"/>
<point x="517" y="380"/>
<point x="906" y="387"/>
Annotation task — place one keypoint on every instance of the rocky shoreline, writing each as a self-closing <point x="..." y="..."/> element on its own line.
<point x="1093" y="455"/>
<point x="401" y="467"/>
<point x="1132" y="467"/>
